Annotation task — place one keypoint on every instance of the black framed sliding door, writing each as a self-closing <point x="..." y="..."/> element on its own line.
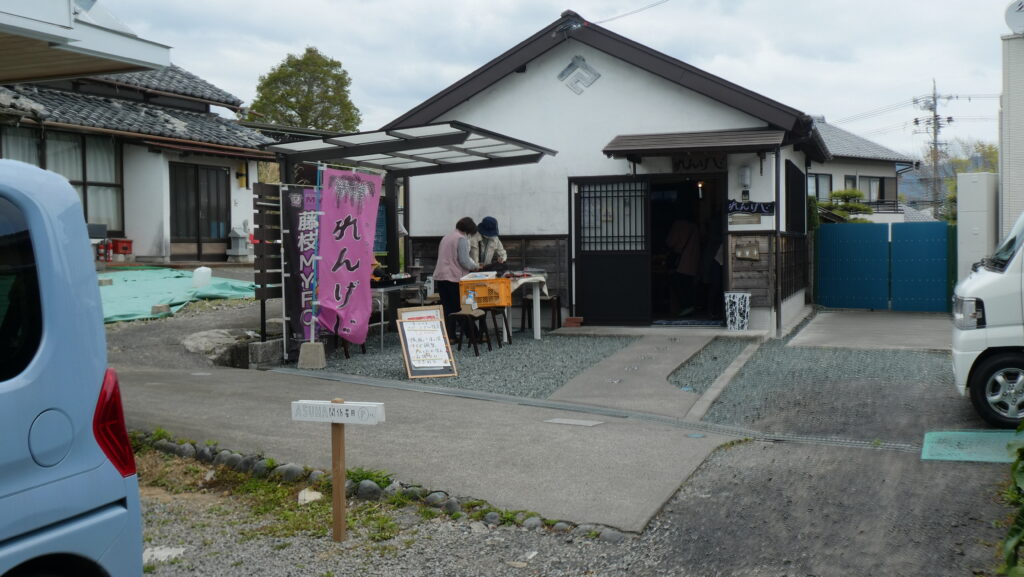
<point x="200" y="212"/>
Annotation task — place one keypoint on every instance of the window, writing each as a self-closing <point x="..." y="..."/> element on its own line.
<point x="819" y="186"/>
<point x="871" y="186"/>
<point x="21" y="317"/>
<point x="850" y="182"/>
<point x="20" y="144"/>
<point x="91" y="163"/>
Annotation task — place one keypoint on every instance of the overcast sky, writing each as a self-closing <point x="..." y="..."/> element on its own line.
<point x="836" y="58"/>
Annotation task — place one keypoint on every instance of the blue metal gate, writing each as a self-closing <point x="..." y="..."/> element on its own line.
<point x="859" y="268"/>
<point x="853" y="266"/>
<point x="920" y="269"/>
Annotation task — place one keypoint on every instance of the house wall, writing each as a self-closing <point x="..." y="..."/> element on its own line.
<point x="538" y="107"/>
<point x="839" y="168"/>
<point x="147" y="198"/>
<point x="1011" y="134"/>
<point x="147" y="187"/>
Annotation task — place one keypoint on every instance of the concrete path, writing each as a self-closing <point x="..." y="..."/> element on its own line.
<point x="636" y="377"/>
<point x="563" y="464"/>
<point x="877" y="330"/>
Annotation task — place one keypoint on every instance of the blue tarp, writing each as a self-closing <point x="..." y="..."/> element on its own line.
<point x="134" y="292"/>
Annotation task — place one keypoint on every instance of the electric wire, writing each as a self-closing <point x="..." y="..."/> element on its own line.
<point x="630" y="13"/>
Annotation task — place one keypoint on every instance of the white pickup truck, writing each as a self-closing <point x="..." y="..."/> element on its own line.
<point x="988" y="333"/>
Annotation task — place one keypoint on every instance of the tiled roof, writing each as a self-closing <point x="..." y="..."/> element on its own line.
<point x="176" y="81"/>
<point x="129" y="116"/>
<point x="843" y="144"/>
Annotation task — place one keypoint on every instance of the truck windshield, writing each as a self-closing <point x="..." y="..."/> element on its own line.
<point x="1009" y="246"/>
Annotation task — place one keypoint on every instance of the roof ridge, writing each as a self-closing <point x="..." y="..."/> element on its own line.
<point x="572" y="25"/>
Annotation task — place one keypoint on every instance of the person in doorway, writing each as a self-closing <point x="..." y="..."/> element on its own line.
<point x="684" y="245"/>
<point x="453" y="263"/>
<point x="485" y="247"/>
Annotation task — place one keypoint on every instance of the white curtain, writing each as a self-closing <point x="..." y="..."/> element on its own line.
<point x="64" y="155"/>
<point x="100" y="160"/>
<point x="20" y="144"/>
<point x="105" y="206"/>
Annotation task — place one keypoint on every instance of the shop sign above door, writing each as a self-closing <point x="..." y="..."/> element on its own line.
<point x="699" y="163"/>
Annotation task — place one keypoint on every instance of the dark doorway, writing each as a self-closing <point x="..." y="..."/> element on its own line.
<point x="687" y="224"/>
<point x="200" y="212"/>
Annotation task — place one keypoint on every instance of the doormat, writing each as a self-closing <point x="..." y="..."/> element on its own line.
<point x="688" y="323"/>
<point x="980" y="446"/>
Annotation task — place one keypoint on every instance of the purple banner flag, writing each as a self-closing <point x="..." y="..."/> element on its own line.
<point x="348" y="225"/>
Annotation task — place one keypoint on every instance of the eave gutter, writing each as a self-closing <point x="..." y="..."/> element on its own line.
<point x="141" y="136"/>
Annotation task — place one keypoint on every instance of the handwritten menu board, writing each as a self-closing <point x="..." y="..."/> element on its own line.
<point x="425" y="348"/>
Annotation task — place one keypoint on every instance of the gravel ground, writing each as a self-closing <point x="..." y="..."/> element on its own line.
<point x="213" y="533"/>
<point x="525" y="368"/>
<point x="887" y="395"/>
<point x="700" y="371"/>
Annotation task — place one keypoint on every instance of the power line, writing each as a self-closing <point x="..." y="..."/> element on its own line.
<point x="630" y="13"/>
<point x="878" y="111"/>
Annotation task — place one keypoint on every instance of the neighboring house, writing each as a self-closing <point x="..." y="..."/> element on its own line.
<point x="149" y="157"/>
<point x="859" y="164"/>
<point x="642" y="139"/>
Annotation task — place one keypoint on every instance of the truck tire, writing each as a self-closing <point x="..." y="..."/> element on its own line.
<point x="997" y="390"/>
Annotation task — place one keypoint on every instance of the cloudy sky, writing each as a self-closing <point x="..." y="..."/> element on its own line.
<point x="867" y="59"/>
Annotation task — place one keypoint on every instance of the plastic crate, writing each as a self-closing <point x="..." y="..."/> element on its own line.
<point x="121" y="246"/>
<point x="490" y="292"/>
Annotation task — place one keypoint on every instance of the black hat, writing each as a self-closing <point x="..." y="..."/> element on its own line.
<point x="488" y="226"/>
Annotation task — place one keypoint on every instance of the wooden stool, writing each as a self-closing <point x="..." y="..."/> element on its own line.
<point x="527" y="307"/>
<point x="467" y="321"/>
<point x="495" y="312"/>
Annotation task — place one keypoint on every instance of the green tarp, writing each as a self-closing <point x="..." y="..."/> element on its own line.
<point x="134" y="292"/>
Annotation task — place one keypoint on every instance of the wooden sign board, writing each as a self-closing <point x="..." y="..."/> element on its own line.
<point x="425" y="348"/>
<point x="345" y="413"/>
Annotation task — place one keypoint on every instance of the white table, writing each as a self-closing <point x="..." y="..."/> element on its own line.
<point x="538" y="283"/>
<point x="379" y="295"/>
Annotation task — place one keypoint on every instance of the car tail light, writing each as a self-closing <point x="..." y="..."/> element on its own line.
<point x="109" y="428"/>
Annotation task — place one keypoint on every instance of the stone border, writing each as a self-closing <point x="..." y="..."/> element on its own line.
<point x="366" y="490"/>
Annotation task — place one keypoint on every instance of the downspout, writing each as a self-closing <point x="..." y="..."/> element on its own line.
<point x="778" y="242"/>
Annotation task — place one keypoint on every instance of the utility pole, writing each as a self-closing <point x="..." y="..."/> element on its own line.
<point x="934" y="124"/>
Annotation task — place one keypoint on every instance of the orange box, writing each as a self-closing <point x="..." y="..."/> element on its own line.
<point x="121" y="246"/>
<point x="490" y="292"/>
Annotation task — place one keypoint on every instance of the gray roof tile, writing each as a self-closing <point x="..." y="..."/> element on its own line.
<point x="130" y="116"/>
<point x="175" y="80"/>
<point x="843" y="144"/>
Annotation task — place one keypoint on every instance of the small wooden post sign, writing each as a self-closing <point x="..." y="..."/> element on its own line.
<point x="337" y="413"/>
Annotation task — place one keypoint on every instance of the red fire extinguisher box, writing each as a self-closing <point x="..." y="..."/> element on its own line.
<point x="121" y="245"/>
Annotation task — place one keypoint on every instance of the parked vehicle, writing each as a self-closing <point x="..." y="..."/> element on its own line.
<point x="69" y="496"/>
<point x="988" y="333"/>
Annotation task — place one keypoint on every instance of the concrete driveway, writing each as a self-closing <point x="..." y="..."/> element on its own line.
<point x="877" y="330"/>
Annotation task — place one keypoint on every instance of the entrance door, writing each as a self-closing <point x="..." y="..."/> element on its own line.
<point x="687" y="224"/>
<point x="612" y="251"/>
<point x="200" y="212"/>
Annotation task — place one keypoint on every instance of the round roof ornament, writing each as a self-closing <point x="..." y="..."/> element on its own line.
<point x="1015" y="16"/>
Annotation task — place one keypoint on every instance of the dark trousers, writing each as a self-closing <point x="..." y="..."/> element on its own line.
<point x="449" y="293"/>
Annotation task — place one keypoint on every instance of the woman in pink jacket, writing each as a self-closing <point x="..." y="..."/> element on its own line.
<point x="453" y="263"/>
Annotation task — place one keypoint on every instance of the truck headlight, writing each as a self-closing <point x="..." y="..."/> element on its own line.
<point x="968" y="313"/>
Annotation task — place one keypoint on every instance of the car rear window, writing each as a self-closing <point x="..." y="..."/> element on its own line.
<point x="20" y="308"/>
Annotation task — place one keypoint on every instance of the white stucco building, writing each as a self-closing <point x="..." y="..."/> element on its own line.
<point x="642" y="139"/>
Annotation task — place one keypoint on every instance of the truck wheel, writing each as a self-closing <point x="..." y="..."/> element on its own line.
<point x="997" y="390"/>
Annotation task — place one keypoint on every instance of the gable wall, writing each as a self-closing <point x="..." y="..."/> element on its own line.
<point x="538" y="107"/>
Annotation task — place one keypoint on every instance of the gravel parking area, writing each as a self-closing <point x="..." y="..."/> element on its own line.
<point x="885" y="395"/>
<point x="525" y="368"/>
